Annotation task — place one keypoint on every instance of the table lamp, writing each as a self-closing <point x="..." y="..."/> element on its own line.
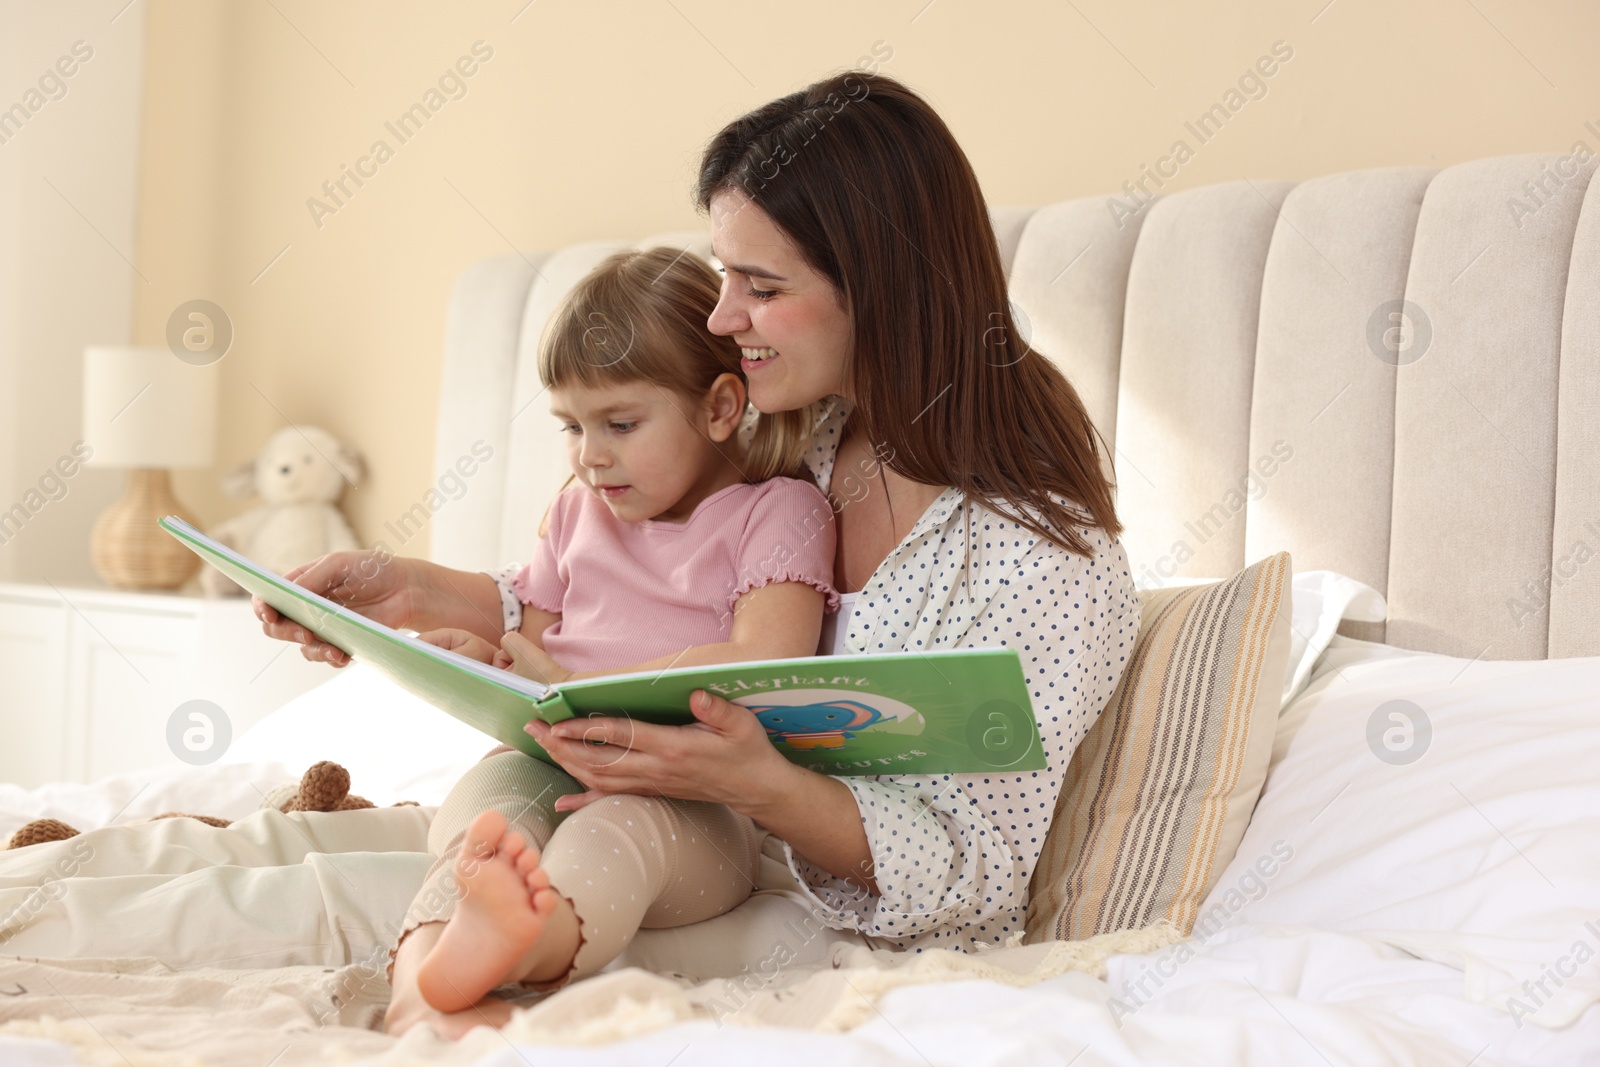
<point x="146" y="410"/>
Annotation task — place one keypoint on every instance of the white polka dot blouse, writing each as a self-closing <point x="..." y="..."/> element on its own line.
<point x="953" y="854"/>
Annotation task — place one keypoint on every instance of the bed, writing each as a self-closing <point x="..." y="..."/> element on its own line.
<point x="1392" y="375"/>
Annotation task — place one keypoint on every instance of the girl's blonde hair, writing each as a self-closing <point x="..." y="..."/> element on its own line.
<point x="641" y="316"/>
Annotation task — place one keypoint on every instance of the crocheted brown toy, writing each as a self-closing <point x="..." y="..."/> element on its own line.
<point x="39" y="831"/>
<point x="325" y="787"/>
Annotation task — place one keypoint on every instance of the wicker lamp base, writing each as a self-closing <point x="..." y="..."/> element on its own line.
<point x="129" y="550"/>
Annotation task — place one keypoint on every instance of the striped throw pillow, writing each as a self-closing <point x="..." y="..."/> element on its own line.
<point x="1158" y="794"/>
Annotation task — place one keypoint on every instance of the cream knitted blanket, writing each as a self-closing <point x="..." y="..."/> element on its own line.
<point x="138" y="1012"/>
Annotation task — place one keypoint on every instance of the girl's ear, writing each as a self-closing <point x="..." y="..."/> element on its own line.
<point x="725" y="404"/>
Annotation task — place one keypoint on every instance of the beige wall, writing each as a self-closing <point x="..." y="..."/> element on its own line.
<point x="69" y="157"/>
<point x="588" y="119"/>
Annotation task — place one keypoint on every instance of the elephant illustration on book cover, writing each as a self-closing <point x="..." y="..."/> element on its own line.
<point x="827" y="718"/>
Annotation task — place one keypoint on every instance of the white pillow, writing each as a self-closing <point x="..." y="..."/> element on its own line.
<point x="1320" y="600"/>
<point x="395" y="746"/>
<point x="1323" y="599"/>
<point x="1448" y="807"/>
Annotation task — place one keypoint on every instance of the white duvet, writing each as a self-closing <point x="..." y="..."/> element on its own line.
<point x="1381" y="909"/>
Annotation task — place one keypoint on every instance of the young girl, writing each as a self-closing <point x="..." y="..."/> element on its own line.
<point x="678" y="543"/>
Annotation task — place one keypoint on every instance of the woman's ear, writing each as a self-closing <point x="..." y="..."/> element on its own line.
<point x="725" y="404"/>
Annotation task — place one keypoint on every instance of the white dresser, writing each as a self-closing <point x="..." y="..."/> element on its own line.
<point x="90" y="679"/>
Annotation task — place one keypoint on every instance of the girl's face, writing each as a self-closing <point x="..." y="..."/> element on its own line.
<point x="788" y="319"/>
<point x="647" y="451"/>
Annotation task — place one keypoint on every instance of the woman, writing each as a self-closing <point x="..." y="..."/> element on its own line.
<point x="861" y="271"/>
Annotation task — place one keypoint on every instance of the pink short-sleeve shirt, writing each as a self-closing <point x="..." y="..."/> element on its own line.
<point x="630" y="592"/>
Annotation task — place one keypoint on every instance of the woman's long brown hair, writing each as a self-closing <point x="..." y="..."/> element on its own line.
<point x="868" y="182"/>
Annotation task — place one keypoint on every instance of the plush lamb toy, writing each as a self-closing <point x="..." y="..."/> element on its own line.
<point x="299" y="476"/>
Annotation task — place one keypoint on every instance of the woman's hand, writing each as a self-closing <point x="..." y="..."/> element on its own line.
<point x="373" y="583"/>
<point x="460" y="641"/>
<point x="396" y="591"/>
<point x="529" y="660"/>
<point x="724" y="756"/>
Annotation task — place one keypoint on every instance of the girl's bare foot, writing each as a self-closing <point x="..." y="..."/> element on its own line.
<point x="407" y="1008"/>
<point x="408" y="1011"/>
<point x="504" y="902"/>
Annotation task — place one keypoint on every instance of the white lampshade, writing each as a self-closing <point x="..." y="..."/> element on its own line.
<point x="145" y="407"/>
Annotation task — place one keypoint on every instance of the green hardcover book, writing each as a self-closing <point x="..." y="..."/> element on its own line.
<point x="947" y="712"/>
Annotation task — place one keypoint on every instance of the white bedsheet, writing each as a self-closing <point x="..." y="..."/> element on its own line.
<point x="1256" y="995"/>
<point x="1254" y="992"/>
<point x="1267" y="996"/>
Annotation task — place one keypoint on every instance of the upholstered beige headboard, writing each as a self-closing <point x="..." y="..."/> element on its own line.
<point x="1394" y="374"/>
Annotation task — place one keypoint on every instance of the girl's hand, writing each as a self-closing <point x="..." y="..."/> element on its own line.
<point x="529" y="660"/>
<point x="372" y="583"/>
<point x="724" y="757"/>
<point x="467" y="644"/>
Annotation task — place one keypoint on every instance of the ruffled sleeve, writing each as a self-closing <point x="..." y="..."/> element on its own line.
<point x="788" y="537"/>
<point x="541" y="583"/>
<point x="510" y="603"/>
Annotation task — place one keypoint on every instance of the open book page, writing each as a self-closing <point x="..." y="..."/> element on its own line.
<point x="496" y="702"/>
<point x="298" y="601"/>
<point x="945" y="711"/>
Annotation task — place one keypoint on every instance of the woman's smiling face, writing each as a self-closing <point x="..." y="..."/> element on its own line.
<point x="789" y="319"/>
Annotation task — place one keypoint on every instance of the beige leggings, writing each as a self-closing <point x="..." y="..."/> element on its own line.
<point x="624" y="862"/>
